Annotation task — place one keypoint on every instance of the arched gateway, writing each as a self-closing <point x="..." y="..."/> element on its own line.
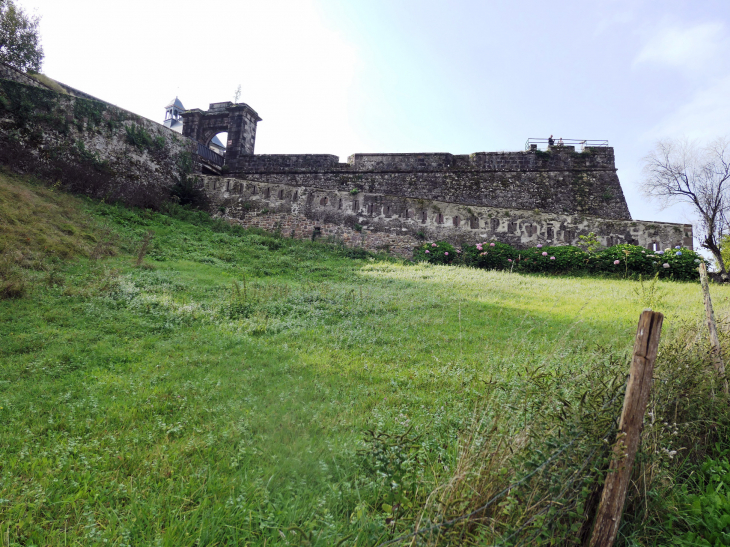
<point x="237" y="119"/>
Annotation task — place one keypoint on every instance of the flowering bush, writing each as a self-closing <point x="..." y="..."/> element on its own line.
<point x="678" y="263"/>
<point x="552" y="259"/>
<point x="439" y="252"/>
<point x="622" y="260"/>
<point x="490" y="255"/>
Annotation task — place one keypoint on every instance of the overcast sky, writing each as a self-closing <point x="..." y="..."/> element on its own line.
<point x="459" y="76"/>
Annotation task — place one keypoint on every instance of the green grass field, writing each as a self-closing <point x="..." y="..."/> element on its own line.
<point x="221" y="393"/>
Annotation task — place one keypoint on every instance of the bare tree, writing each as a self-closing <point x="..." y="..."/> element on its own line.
<point x="20" y="45"/>
<point x="684" y="171"/>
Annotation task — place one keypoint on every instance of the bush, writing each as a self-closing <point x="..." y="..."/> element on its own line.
<point x="553" y="259"/>
<point x="620" y="260"/>
<point x="631" y="260"/>
<point x="435" y="253"/>
<point x="491" y="255"/>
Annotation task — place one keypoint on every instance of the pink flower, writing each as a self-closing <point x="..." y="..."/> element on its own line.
<point x="617" y="262"/>
<point x="428" y="251"/>
<point x="509" y="260"/>
<point x="491" y="244"/>
<point x="544" y="253"/>
<point x="458" y="251"/>
<point x="480" y="248"/>
<point x="446" y="254"/>
<point x="433" y="244"/>
<point x="539" y="246"/>
<point x="552" y="258"/>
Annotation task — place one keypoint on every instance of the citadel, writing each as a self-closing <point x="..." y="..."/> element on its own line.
<point x="547" y="193"/>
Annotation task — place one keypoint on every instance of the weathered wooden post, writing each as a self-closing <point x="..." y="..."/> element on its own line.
<point x="638" y="389"/>
<point x="712" y="327"/>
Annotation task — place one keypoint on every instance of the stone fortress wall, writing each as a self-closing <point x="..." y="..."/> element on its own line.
<point x="87" y="144"/>
<point x="378" y="201"/>
<point x="379" y="221"/>
<point x="395" y="201"/>
<point x="560" y="181"/>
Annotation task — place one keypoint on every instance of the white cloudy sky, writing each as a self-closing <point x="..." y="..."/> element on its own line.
<point x="460" y="76"/>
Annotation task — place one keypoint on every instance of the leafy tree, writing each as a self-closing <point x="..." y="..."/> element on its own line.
<point x="685" y="171"/>
<point x="20" y="45"/>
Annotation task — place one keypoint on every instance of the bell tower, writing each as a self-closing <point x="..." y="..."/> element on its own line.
<point x="173" y="118"/>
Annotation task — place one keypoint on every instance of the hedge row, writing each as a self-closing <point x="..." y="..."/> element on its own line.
<point x="624" y="260"/>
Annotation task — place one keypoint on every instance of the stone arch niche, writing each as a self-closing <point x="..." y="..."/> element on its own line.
<point x="238" y="120"/>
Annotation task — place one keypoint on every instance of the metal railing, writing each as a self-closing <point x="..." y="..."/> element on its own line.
<point x="534" y="144"/>
<point x="210" y="156"/>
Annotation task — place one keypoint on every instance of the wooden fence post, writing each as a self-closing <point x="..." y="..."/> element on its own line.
<point x="638" y="389"/>
<point x="712" y="327"/>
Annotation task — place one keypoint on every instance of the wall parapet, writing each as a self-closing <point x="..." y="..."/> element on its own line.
<point x="531" y="160"/>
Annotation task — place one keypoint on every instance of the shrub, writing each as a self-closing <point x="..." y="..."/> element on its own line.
<point x="620" y="260"/>
<point x="435" y="253"/>
<point x="565" y="258"/>
<point x="491" y="255"/>
<point x="631" y="260"/>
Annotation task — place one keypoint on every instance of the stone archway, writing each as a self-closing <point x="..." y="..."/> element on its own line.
<point x="238" y="120"/>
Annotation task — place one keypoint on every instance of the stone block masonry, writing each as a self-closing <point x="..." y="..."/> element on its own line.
<point x="398" y="223"/>
<point x="89" y="146"/>
<point x="558" y="181"/>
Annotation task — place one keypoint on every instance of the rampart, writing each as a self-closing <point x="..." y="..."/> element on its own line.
<point x="559" y="181"/>
<point x="398" y="223"/>
<point x="378" y="201"/>
<point x="87" y="145"/>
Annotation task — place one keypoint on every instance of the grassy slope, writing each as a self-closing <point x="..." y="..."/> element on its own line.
<point x="143" y="405"/>
<point x="38" y="222"/>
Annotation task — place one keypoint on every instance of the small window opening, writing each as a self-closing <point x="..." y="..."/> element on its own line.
<point x="457" y="221"/>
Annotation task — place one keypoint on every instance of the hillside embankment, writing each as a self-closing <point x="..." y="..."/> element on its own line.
<point x="169" y="378"/>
